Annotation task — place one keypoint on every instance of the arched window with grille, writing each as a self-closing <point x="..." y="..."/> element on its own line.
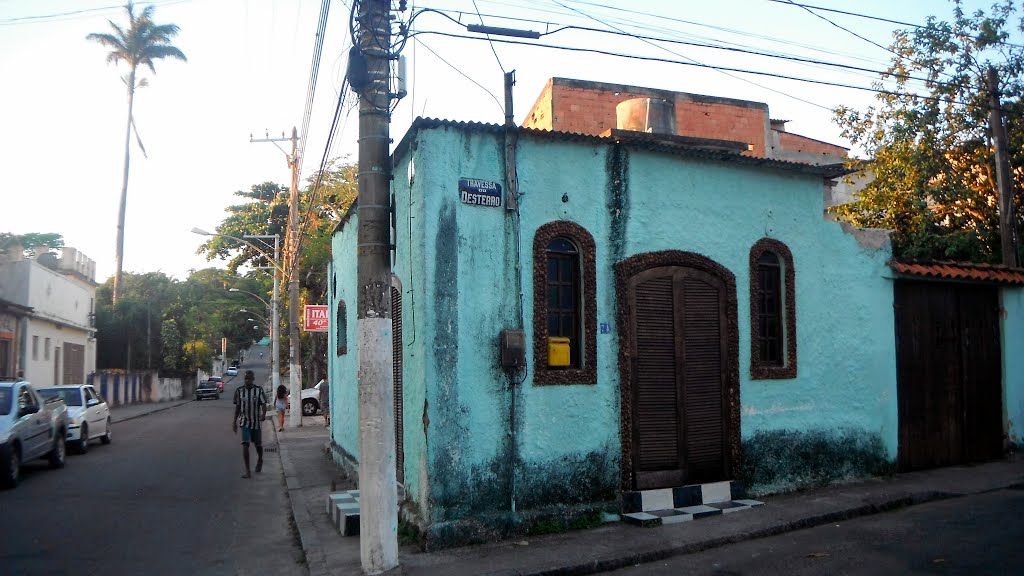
<point x="772" y="311"/>
<point x="565" y="306"/>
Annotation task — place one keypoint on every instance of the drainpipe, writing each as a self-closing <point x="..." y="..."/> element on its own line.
<point x="512" y="205"/>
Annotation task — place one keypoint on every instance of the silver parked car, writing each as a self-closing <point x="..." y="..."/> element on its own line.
<point x="30" y="428"/>
<point x="88" y="414"/>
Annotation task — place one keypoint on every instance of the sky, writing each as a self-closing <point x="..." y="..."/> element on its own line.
<point x="63" y="107"/>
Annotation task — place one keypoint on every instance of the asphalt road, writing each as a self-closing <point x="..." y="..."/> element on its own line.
<point x="974" y="535"/>
<point x="166" y="497"/>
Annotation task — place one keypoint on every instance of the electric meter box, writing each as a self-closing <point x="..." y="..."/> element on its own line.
<point x="513" y="348"/>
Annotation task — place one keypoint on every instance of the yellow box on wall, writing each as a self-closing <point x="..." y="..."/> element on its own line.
<point x="558" y="351"/>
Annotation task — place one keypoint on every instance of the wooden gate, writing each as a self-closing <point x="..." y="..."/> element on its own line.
<point x="678" y="355"/>
<point x="949" y="375"/>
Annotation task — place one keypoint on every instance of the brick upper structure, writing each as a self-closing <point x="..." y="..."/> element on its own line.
<point x="568" y="105"/>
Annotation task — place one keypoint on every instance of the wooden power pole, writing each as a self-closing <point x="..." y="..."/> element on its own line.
<point x="1007" y="218"/>
<point x="294" y="349"/>
<point x="292" y="268"/>
<point x="378" y="491"/>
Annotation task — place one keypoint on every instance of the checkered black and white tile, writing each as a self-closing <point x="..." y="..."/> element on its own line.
<point x="343" y="509"/>
<point x="683" y="504"/>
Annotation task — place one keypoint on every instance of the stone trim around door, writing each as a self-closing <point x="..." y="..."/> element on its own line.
<point x="623" y="272"/>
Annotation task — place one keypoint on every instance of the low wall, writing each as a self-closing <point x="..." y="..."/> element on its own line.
<point x="119" y="388"/>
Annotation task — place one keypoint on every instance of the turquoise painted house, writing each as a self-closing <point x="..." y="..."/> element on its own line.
<point x="644" y="311"/>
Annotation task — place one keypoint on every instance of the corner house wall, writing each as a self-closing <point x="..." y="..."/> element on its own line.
<point x="342" y="353"/>
<point x="1013" y="363"/>
<point x="492" y="449"/>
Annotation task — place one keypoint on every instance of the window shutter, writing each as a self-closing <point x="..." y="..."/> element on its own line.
<point x="657" y="422"/>
<point x="702" y="376"/>
<point x="396" y="351"/>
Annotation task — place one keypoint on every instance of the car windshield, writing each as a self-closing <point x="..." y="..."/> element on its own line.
<point x="208" y="384"/>
<point x="5" y="400"/>
<point x="70" y="396"/>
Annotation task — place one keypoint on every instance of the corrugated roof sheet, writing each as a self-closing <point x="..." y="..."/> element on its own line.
<point x="965" y="271"/>
<point x="654" y="145"/>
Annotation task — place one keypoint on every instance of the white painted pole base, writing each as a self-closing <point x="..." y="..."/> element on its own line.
<point x="378" y="491"/>
<point x="295" y="389"/>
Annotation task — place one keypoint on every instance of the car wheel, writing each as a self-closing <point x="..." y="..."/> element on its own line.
<point x="309" y="407"/>
<point x="59" y="452"/>
<point x="109" y="436"/>
<point x="83" y="442"/>
<point x="10" y="465"/>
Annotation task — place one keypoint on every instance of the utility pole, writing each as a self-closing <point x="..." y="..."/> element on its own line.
<point x="292" y="257"/>
<point x="378" y="491"/>
<point x="1007" y="219"/>
<point x="294" y="351"/>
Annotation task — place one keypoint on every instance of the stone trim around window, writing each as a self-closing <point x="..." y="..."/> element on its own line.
<point x="585" y="242"/>
<point x="632" y="266"/>
<point x="759" y="371"/>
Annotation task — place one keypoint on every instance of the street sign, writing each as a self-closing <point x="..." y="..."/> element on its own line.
<point x="315" y="318"/>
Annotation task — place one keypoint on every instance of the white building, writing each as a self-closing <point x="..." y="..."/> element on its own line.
<point x="57" y="340"/>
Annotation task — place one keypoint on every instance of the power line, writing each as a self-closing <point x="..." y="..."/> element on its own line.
<point x="314" y="71"/>
<point x="41" y="17"/>
<point x="691" y="59"/>
<point x="709" y="66"/>
<point x="869" y="17"/>
<point x="489" y="37"/>
<point x="453" y="67"/>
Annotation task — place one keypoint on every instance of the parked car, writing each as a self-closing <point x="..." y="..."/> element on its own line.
<point x="232" y="371"/>
<point x="88" y="414"/>
<point x="220" y="383"/>
<point x="208" y="389"/>
<point x="311" y="401"/>
<point x="30" y="427"/>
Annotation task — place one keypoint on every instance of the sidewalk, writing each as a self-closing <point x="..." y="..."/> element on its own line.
<point x="132" y="411"/>
<point x="309" y="474"/>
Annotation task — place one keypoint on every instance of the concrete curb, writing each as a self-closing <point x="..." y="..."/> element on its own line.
<point x="598" y="565"/>
<point x="115" y="420"/>
<point x="316" y="563"/>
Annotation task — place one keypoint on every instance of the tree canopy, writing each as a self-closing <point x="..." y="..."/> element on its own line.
<point x="928" y="140"/>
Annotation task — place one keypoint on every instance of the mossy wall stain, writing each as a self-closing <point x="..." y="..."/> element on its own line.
<point x="567" y="493"/>
<point x="568" y="480"/>
<point x="617" y="201"/>
<point x="786" y="460"/>
<point x="449" y="427"/>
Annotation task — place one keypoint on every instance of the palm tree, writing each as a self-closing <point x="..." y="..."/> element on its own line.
<point x="142" y="42"/>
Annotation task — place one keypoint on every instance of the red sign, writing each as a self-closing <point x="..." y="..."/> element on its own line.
<point x="315" y="318"/>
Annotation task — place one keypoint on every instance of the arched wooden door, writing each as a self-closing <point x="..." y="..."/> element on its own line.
<point x="678" y="369"/>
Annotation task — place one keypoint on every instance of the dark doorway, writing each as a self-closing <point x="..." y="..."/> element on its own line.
<point x="948" y="369"/>
<point x="678" y="359"/>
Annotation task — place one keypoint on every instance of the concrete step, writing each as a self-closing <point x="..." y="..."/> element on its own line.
<point x="684" y="503"/>
<point x="343" y="510"/>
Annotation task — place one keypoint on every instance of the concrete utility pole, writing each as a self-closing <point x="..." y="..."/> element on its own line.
<point x="378" y="491"/>
<point x="1007" y="220"/>
<point x="292" y="256"/>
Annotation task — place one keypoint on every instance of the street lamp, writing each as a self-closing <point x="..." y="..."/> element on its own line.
<point x="295" y="386"/>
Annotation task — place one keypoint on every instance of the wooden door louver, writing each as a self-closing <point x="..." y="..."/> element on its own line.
<point x="396" y="351"/>
<point x="677" y="366"/>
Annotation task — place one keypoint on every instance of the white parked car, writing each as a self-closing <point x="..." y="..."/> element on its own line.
<point x="311" y="401"/>
<point x="232" y="371"/>
<point x="88" y="414"/>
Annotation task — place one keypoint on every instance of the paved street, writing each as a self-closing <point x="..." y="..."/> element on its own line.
<point x="979" y="534"/>
<point x="165" y="498"/>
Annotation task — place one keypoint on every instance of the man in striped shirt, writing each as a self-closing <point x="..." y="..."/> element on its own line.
<point x="250" y="411"/>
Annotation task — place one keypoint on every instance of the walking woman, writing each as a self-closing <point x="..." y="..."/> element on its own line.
<point x="281" y="404"/>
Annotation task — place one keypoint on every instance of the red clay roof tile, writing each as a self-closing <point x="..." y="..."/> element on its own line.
<point x="994" y="273"/>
